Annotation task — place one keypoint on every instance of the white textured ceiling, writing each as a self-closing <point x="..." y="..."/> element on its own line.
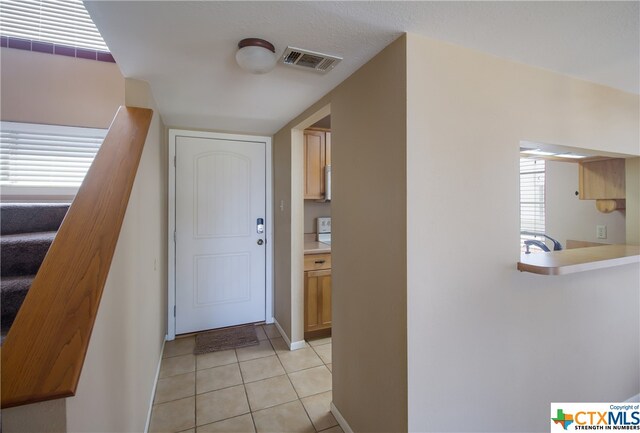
<point x="186" y="50"/>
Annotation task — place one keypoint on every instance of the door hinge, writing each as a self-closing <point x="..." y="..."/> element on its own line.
<point x="174" y="160"/>
<point x="174" y="236"/>
<point x="174" y="311"/>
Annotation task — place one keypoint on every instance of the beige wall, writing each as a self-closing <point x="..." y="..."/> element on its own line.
<point x="313" y="210"/>
<point x="117" y="379"/>
<point x="488" y="347"/>
<point x="369" y="285"/>
<point x="44" y="417"/>
<point x="59" y="90"/>
<point x="571" y="218"/>
<point x="632" y="170"/>
<point x="368" y="123"/>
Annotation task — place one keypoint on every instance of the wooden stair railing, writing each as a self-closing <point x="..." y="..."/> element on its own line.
<point x="44" y="351"/>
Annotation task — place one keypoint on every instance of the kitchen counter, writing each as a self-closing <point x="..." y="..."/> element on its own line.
<point x="315" y="247"/>
<point x="579" y="259"/>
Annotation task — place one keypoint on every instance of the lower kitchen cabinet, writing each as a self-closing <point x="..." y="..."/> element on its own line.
<point x="317" y="300"/>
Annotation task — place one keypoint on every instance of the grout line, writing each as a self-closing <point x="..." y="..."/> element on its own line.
<point x="308" y="415"/>
<point x="255" y="427"/>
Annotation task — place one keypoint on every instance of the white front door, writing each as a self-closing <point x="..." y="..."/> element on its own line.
<point x="220" y="189"/>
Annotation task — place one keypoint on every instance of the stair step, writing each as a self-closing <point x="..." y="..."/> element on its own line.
<point x="31" y="217"/>
<point x="13" y="291"/>
<point x="23" y="253"/>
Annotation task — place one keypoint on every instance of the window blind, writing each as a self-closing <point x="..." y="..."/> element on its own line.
<point x="33" y="155"/>
<point x="532" y="198"/>
<point x="64" y="22"/>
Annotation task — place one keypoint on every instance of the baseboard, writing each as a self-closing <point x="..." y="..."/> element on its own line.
<point x="634" y="399"/>
<point x="155" y="383"/>
<point x="343" y="422"/>
<point x="292" y="345"/>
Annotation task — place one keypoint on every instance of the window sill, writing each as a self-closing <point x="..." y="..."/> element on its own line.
<point x="579" y="259"/>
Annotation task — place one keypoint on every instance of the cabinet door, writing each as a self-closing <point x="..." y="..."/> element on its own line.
<point x="601" y="180"/>
<point x="317" y="300"/>
<point x="327" y="147"/>
<point x="324" y="298"/>
<point x="314" y="161"/>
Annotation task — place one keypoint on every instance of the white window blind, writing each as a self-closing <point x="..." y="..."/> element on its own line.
<point x="64" y="22"/>
<point x="45" y="157"/>
<point x="532" y="199"/>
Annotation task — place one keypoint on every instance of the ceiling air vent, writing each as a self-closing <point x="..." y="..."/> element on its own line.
<point x="306" y="59"/>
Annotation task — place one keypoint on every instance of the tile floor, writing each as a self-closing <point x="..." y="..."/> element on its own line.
<point x="263" y="388"/>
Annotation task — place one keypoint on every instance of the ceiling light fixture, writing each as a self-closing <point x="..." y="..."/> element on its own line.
<point x="256" y="55"/>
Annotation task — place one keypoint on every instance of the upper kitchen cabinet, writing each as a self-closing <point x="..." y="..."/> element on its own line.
<point x="604" y="181"/>
<point x="317" y="155"/>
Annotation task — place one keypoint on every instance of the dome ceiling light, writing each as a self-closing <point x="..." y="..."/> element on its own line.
<point x="256" y="55"/>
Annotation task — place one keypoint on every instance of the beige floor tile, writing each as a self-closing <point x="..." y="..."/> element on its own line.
<point x="289" y="418"/>
<point x="261" y="334"/>
<point x="179" y="346"/>
<point x="324" y="352"/>
<point x="239" y="424"/>
<point x="312" y="381"/>
<point x="191" y="430"/>
<point x="261" y="350"/>
<point x="318" y="409"/>
<point x="174" y="416"/>
<point x="217" y="378"/>
<point x="319" y="341"/>
<point x="216" y="359"/>
<point x="222" y="404"/>
<point x="271" y="331"/>
<point x="261" y="368"/>
<point x="299" y="359"/>
<point x="336" y="429"/>
<point x="177" y="365"/>
<point x="330" y="367"/>
<point x="175" y="387"/>
<point x="270" y="392"/>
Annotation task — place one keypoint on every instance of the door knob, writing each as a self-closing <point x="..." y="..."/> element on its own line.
<point x="260" y="242"/>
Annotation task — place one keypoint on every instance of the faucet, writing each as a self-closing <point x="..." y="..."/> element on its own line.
<point x="557" y="246"/>
<point x="537" y="243"/>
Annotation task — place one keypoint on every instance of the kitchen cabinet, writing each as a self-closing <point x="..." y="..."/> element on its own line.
<point x="317" y="155"/>
<point x="317" y="293"/>
<point x="603" y="180"/>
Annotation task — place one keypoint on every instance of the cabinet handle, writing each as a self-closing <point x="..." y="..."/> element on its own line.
<point x="319" y="262"/>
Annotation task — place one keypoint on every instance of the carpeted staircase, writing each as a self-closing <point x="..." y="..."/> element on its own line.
<point x="27" y="231"/>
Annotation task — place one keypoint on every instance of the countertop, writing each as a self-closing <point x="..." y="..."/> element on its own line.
<point x="579" y="259"/>
<point x="315" y="247"/>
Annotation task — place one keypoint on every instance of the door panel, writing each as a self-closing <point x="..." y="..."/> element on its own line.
<point x="220" y="267"/>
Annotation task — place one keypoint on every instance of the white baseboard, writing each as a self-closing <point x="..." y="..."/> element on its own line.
<point x="297" y="345"/>
<point x="292" y="345"/>
<point x="634" y="399"/>
<point x="343" y="422"/>
<point x="269" y="321"/>
<point x="155" y="383"/>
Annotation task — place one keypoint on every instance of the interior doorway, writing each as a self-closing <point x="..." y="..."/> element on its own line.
<point x="298" y="226"/>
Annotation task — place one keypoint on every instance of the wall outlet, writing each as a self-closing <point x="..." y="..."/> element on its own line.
<point x="601" y="231"/>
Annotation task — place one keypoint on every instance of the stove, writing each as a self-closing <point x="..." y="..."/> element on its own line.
<point x="324" y="230"/>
